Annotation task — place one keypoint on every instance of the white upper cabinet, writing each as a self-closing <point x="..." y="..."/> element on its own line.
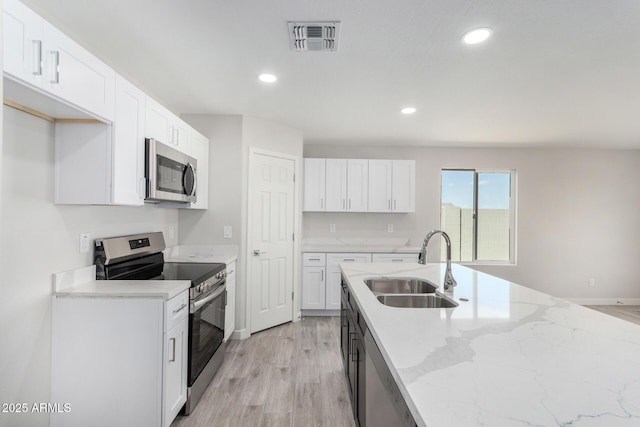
<point x="357" y="185"/>
<point x="39" y="55"/>
<point x="166" y="127"/>
<point x="128" y="145"/>
<point x="380" y="175"/>
<point x="404" y="186"/>
<point x="200" y="151"/>
<point x="314" y="185"/>
<point x="392" y="185"/>
<point x="336" y="185"/>
<point x="22" y="43"/>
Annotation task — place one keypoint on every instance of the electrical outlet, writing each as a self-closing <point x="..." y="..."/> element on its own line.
<point x="389" y="228"/>
<point x="227" y="231"/>
<point x="332" y="228"/>
<point x="85" y="239"/>
<point x="592" y="282"/>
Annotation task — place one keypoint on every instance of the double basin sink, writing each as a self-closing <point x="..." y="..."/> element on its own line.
<point x="408" y="293"/>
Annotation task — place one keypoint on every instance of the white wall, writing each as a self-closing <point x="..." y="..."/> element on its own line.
<point x="37" y="239"/>
<point x="577" y="213"/>
<point x="230" y="137"/>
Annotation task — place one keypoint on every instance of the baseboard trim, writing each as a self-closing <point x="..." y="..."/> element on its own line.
<point x="604" y="301"/>
<point x="240" y="334"/>
<point x="313" y="313"/>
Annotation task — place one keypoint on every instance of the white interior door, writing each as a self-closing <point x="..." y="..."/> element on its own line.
<point x="272" y="227"/>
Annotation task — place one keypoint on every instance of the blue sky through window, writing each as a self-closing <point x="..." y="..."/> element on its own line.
<point x="493" y="189"/>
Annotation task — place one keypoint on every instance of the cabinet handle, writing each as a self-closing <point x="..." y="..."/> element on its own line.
<point x="343" y="206"/>
<point x="37" y="58"/>
<point x="396" y="260"/>
<point x="314" y="259"/>
<point x="348" y="259"/>
<point x="322" y="275"/>
<point x="179" y="309"/>
<point x="321" y="203"/>
<point x="55" y="56"/>
<point x="173" y="351"/>
<point x="389" y="203"/>
<point x="352" y="352"/>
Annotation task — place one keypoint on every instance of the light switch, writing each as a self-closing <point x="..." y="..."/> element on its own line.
<point x="227" y="231"/>
<point x="389" y="228"/>
<point x="332" y="228"/>
<point x="85" y="239"/>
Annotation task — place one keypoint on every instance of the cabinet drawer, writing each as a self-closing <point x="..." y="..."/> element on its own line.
<point x="313" y="259"/>
<point x="395" y="257"/>
<point x="336" y="259"/>
<point x="175" y="310"/>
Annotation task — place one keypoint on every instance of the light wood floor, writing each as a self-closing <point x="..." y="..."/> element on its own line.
<point x="290" y="375"/>
<point x="626" y="312"/>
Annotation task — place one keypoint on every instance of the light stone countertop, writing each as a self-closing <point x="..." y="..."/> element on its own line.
<point x="356" y="245"/>
<point x="202" y="253"/>
<point x="510" y="356"/>
<point x="81" y="283"/>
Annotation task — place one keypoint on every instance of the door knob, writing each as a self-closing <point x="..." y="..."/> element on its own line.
<point x="257" y="252"/>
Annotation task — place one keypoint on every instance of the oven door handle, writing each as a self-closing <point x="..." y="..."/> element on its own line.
<point x="197" y="305"/>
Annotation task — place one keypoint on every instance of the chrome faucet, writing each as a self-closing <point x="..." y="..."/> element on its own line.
<point x="449" y="281"/>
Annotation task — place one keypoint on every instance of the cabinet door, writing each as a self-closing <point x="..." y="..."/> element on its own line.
<point x="128" y="145"/>
<point x="380" y="174"/>
<point x="76" y="76"/>
<point x="200" y="151"/>
<point x="158" y="122"/>
<point x="404" y="186"/>
<point x="175" y="371"/>
<point x="357" y="185"/>
<point x="336" y="185"/>
<point x="230" y="309"/>
<point x="313" y="288"/>
<point x="333" y="289"/>
<point x="22" y="42"/>
<point x="314" y="184"/>
<point x="181" y="133"/>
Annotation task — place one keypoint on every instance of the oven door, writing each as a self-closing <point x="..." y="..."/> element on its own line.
<point x="206" y="329"/>
<point x="170" y="174"/>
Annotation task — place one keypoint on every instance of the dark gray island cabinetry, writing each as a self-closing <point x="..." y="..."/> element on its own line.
<point x="375" y="397"/>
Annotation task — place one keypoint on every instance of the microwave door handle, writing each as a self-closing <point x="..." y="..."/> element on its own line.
<point x="195" y="180"/>
<point x="184" y="180"/>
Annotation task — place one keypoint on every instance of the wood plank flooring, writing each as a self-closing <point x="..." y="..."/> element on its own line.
<point x="626" y="312"/>
<point x="290" y="375"/>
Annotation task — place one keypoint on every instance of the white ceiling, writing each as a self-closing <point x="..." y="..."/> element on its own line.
<point x="555" y="72"/>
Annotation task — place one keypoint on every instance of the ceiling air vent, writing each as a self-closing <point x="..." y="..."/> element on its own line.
<point x="314" y="36"/>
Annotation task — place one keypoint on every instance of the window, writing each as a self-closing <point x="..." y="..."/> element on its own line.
<point x="477" y="212"/>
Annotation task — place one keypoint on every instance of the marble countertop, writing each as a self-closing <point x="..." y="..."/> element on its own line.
<point x="509" y="356"/>
<point x="202" y="253"/>
<point x="355" y="245"/>
<point x="81" y="283"/>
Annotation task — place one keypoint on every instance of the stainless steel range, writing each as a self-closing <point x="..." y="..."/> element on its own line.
<point x="140" y="257"/>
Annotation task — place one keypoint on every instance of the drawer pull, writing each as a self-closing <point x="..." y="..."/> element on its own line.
<point x="179" y="309"/>
<point x="348" y="259"/>
<point x="314" y="259"/>
<point x="173" y="351"/>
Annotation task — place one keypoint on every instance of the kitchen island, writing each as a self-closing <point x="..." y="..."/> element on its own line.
<point x="506" y="356"/>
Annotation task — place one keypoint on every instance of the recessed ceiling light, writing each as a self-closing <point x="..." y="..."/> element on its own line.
<point x="408" y="110"/>
<point x="267" y="78"/>
<point x="477" y="36"/>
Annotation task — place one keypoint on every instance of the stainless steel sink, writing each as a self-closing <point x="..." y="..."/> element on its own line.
<point x="389" y="285"/>
<point x="417" y="301"/>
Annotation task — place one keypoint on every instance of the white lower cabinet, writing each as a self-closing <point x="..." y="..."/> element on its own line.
<point x="321" y="278"/>
<point x="230" y="309"/>
<point x="321" y="275"/>
<point x="119" y="361"/>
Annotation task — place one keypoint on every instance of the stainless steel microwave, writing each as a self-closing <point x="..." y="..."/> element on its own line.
<point x="170" y="174"/>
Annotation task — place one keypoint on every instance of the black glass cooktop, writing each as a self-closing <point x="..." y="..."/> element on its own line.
<point x="196" y="272"/>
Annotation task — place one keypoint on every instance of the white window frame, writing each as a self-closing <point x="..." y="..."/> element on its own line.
<point x="513" y="196"/>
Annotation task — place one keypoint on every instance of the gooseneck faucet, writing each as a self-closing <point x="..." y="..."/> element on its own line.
<point x="449" y="281"/>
